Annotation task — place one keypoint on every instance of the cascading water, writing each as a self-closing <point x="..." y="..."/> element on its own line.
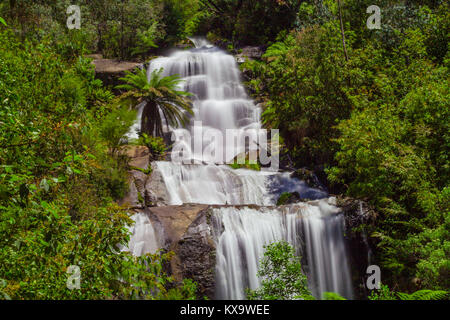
<point x="313" y="229"/>
<point x="143" y="239"/>
<point x="220" y="103"/>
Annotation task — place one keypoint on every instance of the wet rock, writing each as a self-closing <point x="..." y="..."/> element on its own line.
<point x="357" y="212"/>
<point x="309" y="177"/>
<point x="358" y="216"/>
<point x="196" y="251"/>
<point x="139" y="156"/>
<point x="131" y="199"/>
<point x="252" y="52"/>
<point x="176" y="219"/>
<point x="135" y="197"/>
<point x="156" y="193"/>
<point x="185" y="230"/>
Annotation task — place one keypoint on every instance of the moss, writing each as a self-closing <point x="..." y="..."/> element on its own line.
<point x="140" y="198"/>
<point x="284" y="197"/>
<point x="246" y="165"/>
<point x="146" y="171"/>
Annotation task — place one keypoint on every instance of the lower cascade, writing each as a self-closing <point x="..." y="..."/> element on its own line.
<point x="239" y="228"/>
<point x="313" y="229"/>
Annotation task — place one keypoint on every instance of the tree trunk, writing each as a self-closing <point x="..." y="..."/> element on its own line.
<point x="151" y="120"/>
<point x="342" y="30"/>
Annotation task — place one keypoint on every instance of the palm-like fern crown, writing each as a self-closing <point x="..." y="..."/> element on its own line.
<point x="157" y="92"/>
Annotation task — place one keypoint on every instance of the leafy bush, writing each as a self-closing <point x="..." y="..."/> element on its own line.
<point x="156" y="146"/>
<point x="281" y="274"/>
<point x="115" y="125"/>
<point x="58" y="182"/>
<point x="376" y="124"/>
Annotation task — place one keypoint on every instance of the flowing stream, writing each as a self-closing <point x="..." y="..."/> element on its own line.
<point x="220" y="102"/>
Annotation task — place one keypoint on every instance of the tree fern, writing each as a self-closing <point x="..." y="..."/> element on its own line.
<point x="276" y="50"/>
<point x="424" y="295"/>
<point x="161" y="97"/>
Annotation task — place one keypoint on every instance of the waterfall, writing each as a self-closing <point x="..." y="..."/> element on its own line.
<point x="213" y="184"/>
<point x="314" y="230"/>
<point x="143" y="239"/>
<point x="220" y="103"/>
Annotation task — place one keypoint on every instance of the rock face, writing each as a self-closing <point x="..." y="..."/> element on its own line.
<point x="185" y="230"/>
<point x="147" y="188"/>
<point x="196" y="252"/>
<point x="109" y="71"/>
<point x="309" y="177"/>
<point x="139" y="162"/>
<point x="156" y="193"/>
<point x="357" y="213"/>
<point x="252" y="53"/>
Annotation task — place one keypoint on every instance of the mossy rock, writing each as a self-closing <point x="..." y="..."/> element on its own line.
<point x="288" y="198"/>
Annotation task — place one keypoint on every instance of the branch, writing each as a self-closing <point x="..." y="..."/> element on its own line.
<point x="342" y="30"/>
<point x="212" y="5"/>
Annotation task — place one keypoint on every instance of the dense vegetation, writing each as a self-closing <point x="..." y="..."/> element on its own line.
<point x="281" y="275"/>
<point x="371" y="118"/>
<point x="377" y="124"/>
<point x="60" y="171"/>
<point x="282" y="278"/>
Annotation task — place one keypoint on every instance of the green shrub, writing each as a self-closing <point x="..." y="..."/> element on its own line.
<point x="281" y="274"/>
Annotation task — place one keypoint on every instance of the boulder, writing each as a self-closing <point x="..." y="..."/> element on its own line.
<point x="289" y="198"/>
<point x="109" y="70"/>
<point x="309" y="177"/>
<point x="156" y="193"/>
<point x="252" y="53"/>
<point x="185" y="230"/>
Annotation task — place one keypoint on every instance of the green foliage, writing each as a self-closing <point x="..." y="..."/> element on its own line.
<point x="146" y="40"/>
<point x="245" y="164"/>
<point x="304" y="79"/>
<point x="424" y="295"/>
<point x="251" y="22"/>
<point x="156" y="146"/>
<point x="378" y="123"/>
<point x="332" y="296"/>
<point x="281" y="273"/>
<point x="283" y="198"/>
<point x="114" y="28"/>
<point x="114" y="126"/>
<point x="385" y="294"/>
<point x="59" y="180"/>
<point x="144" y="278"/>
<point x="3" y="295"/>
<point x="157" y="93"/>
